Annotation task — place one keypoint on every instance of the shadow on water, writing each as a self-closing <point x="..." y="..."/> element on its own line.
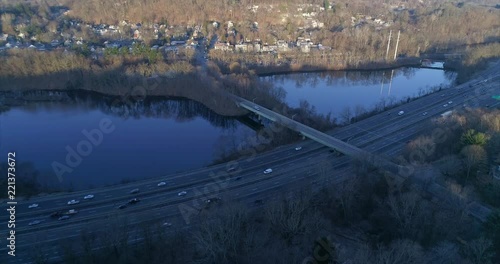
<point x="180" y="110"/>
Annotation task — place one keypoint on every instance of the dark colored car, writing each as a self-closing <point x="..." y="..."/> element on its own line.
<point x="56" y="214"/>
<point x="133" y="201"/>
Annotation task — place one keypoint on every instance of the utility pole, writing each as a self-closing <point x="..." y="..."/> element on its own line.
<point x="397" y="43"/>
<point x="388" y="44"/>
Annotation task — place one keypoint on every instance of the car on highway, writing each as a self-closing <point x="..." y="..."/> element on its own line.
<point x="424" y="113"/>
<point x="298" y="148"/>
<point x="167" y="224"/>
<point x="450" y="102"/>
<point x="445" y="105"/>
<point x="71" y="212"/>
<point x="401" y="113"/>
<point x="33" y="206"/>
<point x="133" y="201"/>
<point x="256" y="108"/>
<point x="231" y="168"/>
<point x="267" y="171"/>
<point x="182" y="193"/>
<point x="87" y="197"/>
<point x="258" y="202"/>
<point x="238" y="178"/>
<point x="35" y="222"/>
<point x="64" y="217"/>
<point x="123" y="206"/>
<point x="134" y="191"/>
<point x="162" y="184"/>
<point x="73" y="202"/>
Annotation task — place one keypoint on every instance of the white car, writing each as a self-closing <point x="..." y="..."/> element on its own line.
<point x="36" y="222"/>
<point x="256" y="108"/>
<point x="401" y="113"/>
<point x="424" y="113"/>
<point x="182" y="193"/>
<point x="71" y="212"/>
<point x="298" y="148"/>
<point x="134" y="191"/>
<point x="90" y="196"/>
<point x="73" y="202"/>
<point x="445" y="105"/>
<point x="167" y="224"/>
<point x="33" y="206"/>
<point x="162" y="184"/>
<point x="450" y="102"/>
<point x="268" y="171"/>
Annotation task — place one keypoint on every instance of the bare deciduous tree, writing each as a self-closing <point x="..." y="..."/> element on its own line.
<point x="479" y="251"/>
<point x="219" y="239"/>
<point x="473" y="155"/>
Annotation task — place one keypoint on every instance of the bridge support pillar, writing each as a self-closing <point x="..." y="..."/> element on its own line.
<point x="259" y="117"/>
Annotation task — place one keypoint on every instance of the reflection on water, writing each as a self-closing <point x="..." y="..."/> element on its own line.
<point x="336" y="91"/>
<point x="151" y="137"/>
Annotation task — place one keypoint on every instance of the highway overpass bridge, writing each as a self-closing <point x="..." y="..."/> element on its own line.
<point x="318" y="136"/>
<point x="304" y="130"/>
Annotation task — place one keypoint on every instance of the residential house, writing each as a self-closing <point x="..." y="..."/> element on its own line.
<point x="256" y="47"/>
<point x="241" y="47"/>
<point x="273" y="48"/>
<point x="222" y="46"/>
<point x="4" y="37"/>
<point x="55" y="43"/>
<point x="304" y="47"/>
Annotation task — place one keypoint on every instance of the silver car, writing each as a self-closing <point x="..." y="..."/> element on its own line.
<point x="73" y="202"/>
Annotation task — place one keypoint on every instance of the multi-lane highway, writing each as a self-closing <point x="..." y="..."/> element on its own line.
<point x="384" y="133"/>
